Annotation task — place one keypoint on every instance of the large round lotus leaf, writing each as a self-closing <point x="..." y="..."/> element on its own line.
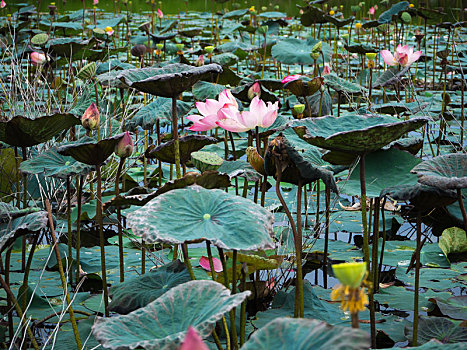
<point x="169" y="81"/>
<point x="440" y="328"/>
<point x="190" y="31"/>
<point x="386" y="16"/>
<point x="163" y="323"/>
<point x="297" y="51"/>
<point x="239" y="168"/>
<point x="296" y="165"/>
<point x="383" y="169"/>
<point x="354" y="134"/>
<point x="140" y="291"/>
<point x="51" y="163"/>
<point x="160" y="109"/>
<point x="437" y="345"/>
<point x="203" y="90"/>
<point x="341" y="85"/>
<point x="313" y="15"/>
<point x="448" y="171"/>
<point x="454" y="307"/>
<point x="91" y="152"/>
<point x="68" y="46"/>
<point x="195" y="213"/>
<point x="24" y="132"/>
<point x="225" y="59"/>
<point x="187" y="144"/>
<point x="306" y="334"/>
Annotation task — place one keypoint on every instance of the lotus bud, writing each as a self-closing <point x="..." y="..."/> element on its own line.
<point x="254" y="90"/>
<point x="200" y="61"/>
<point x="263" y="30"/>
<point x="2" y="4"/>
<point x="326" y="69"/>
<point x="350" y="274"/>
<point x="358" y="26"/>
<point x="160" y="14"/>
<point x="124" y="147"/>
<point x="301" y="12"/>
<point x="38" y="58"/>
<point x="276" y="8"/>
<point x="95" y="2"/>
<point x="252" y="10"/>
<point x="411" y="5"/>
<point x="91" y="118"/>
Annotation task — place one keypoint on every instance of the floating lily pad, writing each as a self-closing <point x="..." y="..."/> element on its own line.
<point x="162" y="324"/>
<point x="440" y="328"/>
<point x="454" y="307"/>
<point x="207" y="215"/>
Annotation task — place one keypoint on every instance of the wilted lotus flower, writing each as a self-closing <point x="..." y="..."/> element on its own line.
<point x="193" y="341"/>
<point x="290" y="78"/>
<point x="91" y="117"/>
<point x="254" y="90"/>
<point x="109" y="31"/>
<point x="260" y="115"/>
<point x="160" y="14"/>
<point x="404" y="56"/>
<point x="38" y="58"/>
<point x="209" y="111"/>
<point x="204" y="262"/>
<point x="124" y="147"/>
<point x="200" y="61"/>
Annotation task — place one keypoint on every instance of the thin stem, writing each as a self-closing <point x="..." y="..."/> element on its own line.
<point x="417" y="280"/>
<point x="326" y="237"/>
<point x="119" y="221"/>
<point x="175" y="137"/>
<point x="78" y="224"/>
<point x="233" y="327"/>
<point x="186" y="259"/>
<point x="366" y="253"/>
<point x="70" y="236"/>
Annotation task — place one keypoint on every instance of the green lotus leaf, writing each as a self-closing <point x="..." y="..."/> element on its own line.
<point x="306" y="334"/>
<point x="297" y="51"/>
<point x="454" y="307"/>
<point x="207" y="214"/>
<point x="91" y="152"/>
<point x="239" y="168"/>
<point x="51" y="163"/>
<point x="448" y="171"/>
<point x="313" y="15"/>
<point x="169" y="81"/>
<point x="9" y="173"/>
<point x="360" y="48"/>
<point x="165" y="152"/>
<point x="258" y="262"/>
<point x="25" y="132"/>
<point x="341" y="85"/>
<point x="300" y="87"/>
<point x="162" y="324"/>
<point x="354" y="134"/>
<point x="440" y="328"/>
<point x="390" y="77"/>
<point x="453" y="240"/>
<point x="203" y="90"/>
<point x="386" y="16"/>
<point x="190" y="31"/>
<point x="69" y="46"/>
<point x="159" y="109"/>
<point x="235" y="14"/>
<point x="66" y="339"/>
<point x="225" y="59"/>
<point x="437" y="345"/>
<point x="140" y="291"/>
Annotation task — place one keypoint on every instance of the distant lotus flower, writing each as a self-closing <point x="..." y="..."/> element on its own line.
<point x="95" y="2"/>
<point x="290" y="78"/>
<point x="124" y="147"/>
<point x="254" y="90"/>
<point x="372" y="11"/>
<point x="260" y="115"/>
<point x="109" y="31"/>
<point x="200" y="61"/>
<point x="326" y="69"/>
<point x="193" y="341"/>
<point x="160" y="14"/>
<point x="209" y="111"/>
<point x="38" y="58"/>
<point x="91" y="117"/>
<point x="204" y="262"/>
<point x="2" y="4"/>
<point x="404" y="56"/>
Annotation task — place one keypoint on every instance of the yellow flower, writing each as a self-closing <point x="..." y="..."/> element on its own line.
<point x="352" y="299"/>
<point x="252" y="9"/>
<point x="350" y="274"/>
<point x="331" y="13"/>
<point x="358" y="25"/>
<point x="411" y="5"/>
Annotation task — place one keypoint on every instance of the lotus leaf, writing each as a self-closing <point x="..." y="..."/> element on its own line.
<point x="454" y="307"/>
<point x="297" y="51"/>
<point x="440" y="328"/>
<point x="453" y="240"/>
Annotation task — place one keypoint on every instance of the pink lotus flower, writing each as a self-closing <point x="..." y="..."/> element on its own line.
<point x="372" y="11"/>
<point x="124" y="147"/>
<point x="193" y="341"/>
<point x="254" y="90"/>
<point x="204" y="262"/>
<point x="91" y="117"/>
<point x="326" y="69"/>
<point x="2" y="4"/>
<point x="200" y="61"/>
<point x="404" y="56"/>
<point x="260" y="115"/>
<point x="38" y="58"/>
<point x="290" y="78"/>
<point x="160" y="14"/>
<point x="209" y="111"/>
<point x="95" y="2"/>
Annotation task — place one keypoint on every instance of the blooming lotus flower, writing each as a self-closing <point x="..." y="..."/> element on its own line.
<point x="109" y="31"/>
<point x="38" y="58"/>
<point x="209" y="111"/>
<point x="124" y="147"/>
<point x="204" y="262"/>
<point x="290" y="78"/>
<point x="160" y="14"/>
<point x="200" y="61"/>
<point x="2" y="4"/>
<point x="254" y="90"/>
<point x="95" y="2"/>
<point x="404" y="56"/>
<point x="193" y="341"/>
<point x="326" y="69"/>
<point x="260" y="115"/>
<point x="91" y="117"/>
<point x="372" y="11"/>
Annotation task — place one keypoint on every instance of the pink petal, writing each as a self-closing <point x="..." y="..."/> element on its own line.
<point x="414" y="57"/>
<point x="269" y="119"/>
<point x="204" y="262"/>
<point x="193" y="341"/>
<point x="231" y="125"/>
<point x="290" y="78"/>
<point x="208" y="107"/>
<point x="194" y="118"/>
<point x="226" y="97"/>
<point x="388" y="58"/>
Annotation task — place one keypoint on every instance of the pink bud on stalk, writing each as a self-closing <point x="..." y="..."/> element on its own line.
<point x="91" y="117"/>
<point x="124" y="147"/>
<point x="200" y="61"/>
<point x="254" y="90"/>
<point x="160" y="14"/>
<point x="95" y="2"/>
<point x="193" y="341"/>
<point x="2" y="4"/>
<point x="38" y="58"/>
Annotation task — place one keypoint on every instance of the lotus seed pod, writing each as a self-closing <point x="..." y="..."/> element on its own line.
<point x="180" y="47"/>
<point x="159" y="46"/>
<point x="209" y="49"/>
<point x="317" y="48"/>
<point x="124" y="147"/>
<point x="138" y="50"/>
<point x="91" y="117"/>
<point x="145" y="27"/>
<point x="263" y="30"/>
<point x="350" y="274"/>
<point x="88" y="72"/>
<point x="299" y="108"/>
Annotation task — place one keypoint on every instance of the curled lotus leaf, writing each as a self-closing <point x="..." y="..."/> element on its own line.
<point x="25" y="132"/>
<point x="169" y="81"/>
<point x="354" y="134"/>
<point x="163" y="323"/>
<point x="91" y="152"/>
<point x="300" y="87"/>
<point x="447" y="172"/>
<point x="306" y="334"/>
<point x="204" y="214"/>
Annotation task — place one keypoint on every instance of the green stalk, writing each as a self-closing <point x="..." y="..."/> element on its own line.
<point x="119" y="221"/>
<point x="70" y="236"/>
<point x="417" y="280"/>
<point x="234" y="338"/>
<point x="186" y="259"/>
<point x="78" y="224"/>
<point x="366" y="250"/>
<point x="175" y="137"/>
